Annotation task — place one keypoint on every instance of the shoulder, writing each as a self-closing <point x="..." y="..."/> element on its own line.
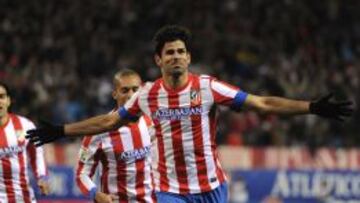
<point x="25" y="122"/>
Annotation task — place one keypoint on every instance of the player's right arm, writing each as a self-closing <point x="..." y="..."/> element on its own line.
<point x="91" y="126"/>
<point x="89" y="156"/>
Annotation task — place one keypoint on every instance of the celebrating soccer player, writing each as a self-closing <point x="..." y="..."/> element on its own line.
<point x="16" y="153"/>
<point x="183" y="107"/>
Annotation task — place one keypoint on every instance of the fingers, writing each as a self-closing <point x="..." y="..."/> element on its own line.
<point x="34" y="138"/>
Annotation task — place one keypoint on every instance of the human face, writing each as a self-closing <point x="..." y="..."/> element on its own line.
<point x="4" y="103"/>
<point x="174" y="59"/>
<point x="125" y="87"/>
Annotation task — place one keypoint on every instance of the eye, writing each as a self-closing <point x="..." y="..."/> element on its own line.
<point x="124" y="90"/>
<point x="181" y="51"/>
<point x="170" y="52"/>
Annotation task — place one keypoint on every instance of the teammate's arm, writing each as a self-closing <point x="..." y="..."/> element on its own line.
<point x="89" y="156"/>
<point x="38" y="165"/>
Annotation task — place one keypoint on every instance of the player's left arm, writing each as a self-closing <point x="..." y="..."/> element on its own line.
<point x="323" y="107"/>
<point x="279" y="105"/>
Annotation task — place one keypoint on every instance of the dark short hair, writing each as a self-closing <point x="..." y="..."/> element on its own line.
<point x="171" y="33"/>
<point x="124" y="73"/>
<point x="6" y="87"/>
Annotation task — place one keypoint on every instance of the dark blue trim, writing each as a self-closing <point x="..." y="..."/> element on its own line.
<point x="240" y="98"/>
<point x="92" y="193"/>
<point x="123" y="112"/>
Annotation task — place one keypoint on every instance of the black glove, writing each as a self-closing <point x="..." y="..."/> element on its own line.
<point x="46" y="133"/>
<point x="334" y="110"/>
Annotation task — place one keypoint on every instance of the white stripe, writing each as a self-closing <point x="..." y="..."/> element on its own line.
<point x="209" y="156"/>
<point x="111" y="159"/>
<point x="168" y="146"/>
<point x="14" y="161"/>
<point x="223" y="89"/>
<point x="147" y="180"/>
<point x="188" y="144"/>
<point x="144" y="132"/>
<point x="143" y="99"/>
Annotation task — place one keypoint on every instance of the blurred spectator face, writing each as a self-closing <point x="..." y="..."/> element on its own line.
<point x="4" y="104"/>
<point x="174" y="58"/>
<point x="125" y="87"/>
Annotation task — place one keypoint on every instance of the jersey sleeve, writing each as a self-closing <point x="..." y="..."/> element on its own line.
<point x="37" y="160"/>
<point x="131" y="107"/>
<point x="227" y="94"/>
<point x="89" y="156"/>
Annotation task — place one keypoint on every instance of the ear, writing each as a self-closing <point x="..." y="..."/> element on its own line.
<point x="157" y="59"/>
<point x="114" y="95"/>
<point x="189" y="57"/>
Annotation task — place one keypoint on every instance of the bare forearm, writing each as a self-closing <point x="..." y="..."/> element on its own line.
<point x="285" y="106"/>
<point x="277" y="105"/>
<point x="94" y="125"/>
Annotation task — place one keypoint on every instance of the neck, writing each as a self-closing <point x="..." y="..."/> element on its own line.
<point x="176" y="81"/>
<point x="4" y="119"/>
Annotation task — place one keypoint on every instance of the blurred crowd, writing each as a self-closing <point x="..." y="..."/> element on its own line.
<point x="59" y="57"/>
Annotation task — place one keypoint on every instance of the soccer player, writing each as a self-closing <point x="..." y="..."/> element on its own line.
<point x="123" y="154"/>
<point x="183" y="107"/>
<point x="16" y="153"/>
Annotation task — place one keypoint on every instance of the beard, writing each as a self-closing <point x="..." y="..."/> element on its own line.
<point x="177" y="71"/>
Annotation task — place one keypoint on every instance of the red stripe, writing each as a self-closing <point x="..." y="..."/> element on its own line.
<point x="80" y="184"/>
<point x="105" y="172"/>
<point x="178" y="149"/>
<point x="6" y="165"/>
<point x="23" y="179"/>
<point x="140" y="164"/>
<point x="120" y="166"/>
<point x="153" y="105"/>
<point x="202" y="171"/>
<point x="212" y="123"/>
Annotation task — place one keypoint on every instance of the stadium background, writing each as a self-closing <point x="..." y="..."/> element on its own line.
<point x="59" y="56"/>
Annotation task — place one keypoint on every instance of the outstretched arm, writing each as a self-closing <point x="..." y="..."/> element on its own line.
<point x="278" y="105"/>
<point x="94" y="125"/>
<point x="323" y="107"/>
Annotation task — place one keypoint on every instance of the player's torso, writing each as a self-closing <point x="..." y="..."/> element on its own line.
<point x="181" y="116"/>
<point x="185" y="137"/>
<point x="126" y="161"/>
<point x="14" y="161"/>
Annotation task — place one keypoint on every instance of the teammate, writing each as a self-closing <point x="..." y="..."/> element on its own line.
<point x="16" y="153"/>
<point x="123" y="154"/>
<point x="183" y="107"/>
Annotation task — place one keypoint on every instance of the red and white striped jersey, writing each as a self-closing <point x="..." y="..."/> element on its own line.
<point x="186" y="160"/>
<point x="16" y="153"/>
<point x="124" y="157"/>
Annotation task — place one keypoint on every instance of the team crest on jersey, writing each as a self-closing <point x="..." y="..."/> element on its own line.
<point x="20" y="136"/>
<point x="195" y="97"/>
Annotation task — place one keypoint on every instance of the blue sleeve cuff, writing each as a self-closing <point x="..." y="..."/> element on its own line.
<point x="123" y="112"/>
<point x="240" y="98"/>
<point x="92" y="193"/>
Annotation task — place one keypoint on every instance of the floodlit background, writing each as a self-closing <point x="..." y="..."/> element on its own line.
<point x="59" y="56"/>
